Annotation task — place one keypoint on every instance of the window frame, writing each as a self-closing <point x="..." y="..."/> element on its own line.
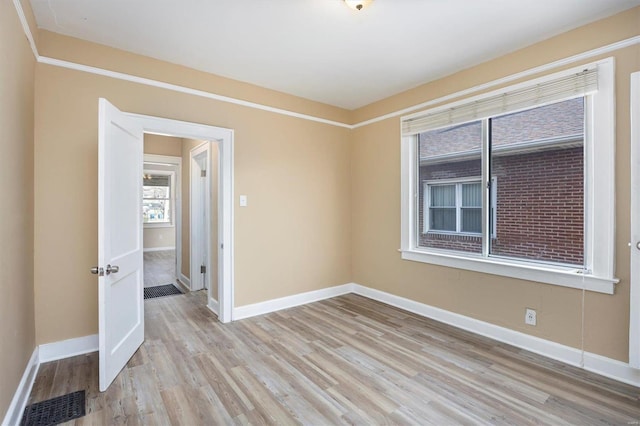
<point x="598" y="273"/>
<point x="172" y="198"/>
<point x="458" y="182"/>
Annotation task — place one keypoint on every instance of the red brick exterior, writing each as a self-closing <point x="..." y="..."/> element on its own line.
<point x="540" y="207"/>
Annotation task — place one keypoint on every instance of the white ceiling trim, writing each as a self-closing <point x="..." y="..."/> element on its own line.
<point x="182" y="89"/>
<point x="542" y="68"/>
<point x="210" y="95"/>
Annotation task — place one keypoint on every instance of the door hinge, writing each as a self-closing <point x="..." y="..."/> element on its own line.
<point x="222" y="246"/>
<point x="203" y="269"/>
<point x="203" y="173"/>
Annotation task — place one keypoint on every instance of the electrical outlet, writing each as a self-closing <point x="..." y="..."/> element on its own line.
<point x="530" y="316"/>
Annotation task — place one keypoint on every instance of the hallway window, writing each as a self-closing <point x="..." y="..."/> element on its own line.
<point x="158" y="198"/>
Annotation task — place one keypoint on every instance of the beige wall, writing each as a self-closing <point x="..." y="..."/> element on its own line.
<point x="162" y="145"/>
<point x="375" y="211"/>
<point x="17" y="326"/>
<point x="159" y="237"/>
<point x="294" y="237"/>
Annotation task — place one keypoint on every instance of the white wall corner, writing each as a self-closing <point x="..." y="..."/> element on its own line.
<point x="21" y="397"/>
<point x="68" y="348"/>
<point x="274" y="305"/>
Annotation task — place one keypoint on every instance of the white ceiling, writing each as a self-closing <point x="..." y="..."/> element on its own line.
<point x="321" y="49"/>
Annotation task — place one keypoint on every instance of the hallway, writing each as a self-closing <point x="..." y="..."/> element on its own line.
<point x="159" y="268"/>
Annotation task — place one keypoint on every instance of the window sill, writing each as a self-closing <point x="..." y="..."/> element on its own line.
<point x="548" y="274"/>
<point x="158" y="225"/>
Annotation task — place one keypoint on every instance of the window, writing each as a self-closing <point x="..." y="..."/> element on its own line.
<point x="158" y="198"/>
<point x="549" y="143"/>
<point x="454" y="207"/>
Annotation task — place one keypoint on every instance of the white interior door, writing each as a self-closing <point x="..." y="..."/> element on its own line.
<point x="120" y="262"/>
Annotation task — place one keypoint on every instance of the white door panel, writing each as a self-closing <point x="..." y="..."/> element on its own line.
<point x="120" y="296"/>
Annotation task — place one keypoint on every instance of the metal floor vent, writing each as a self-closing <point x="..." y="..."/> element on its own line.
<point x="55" y="411"/>
<point x="160" y="291"/>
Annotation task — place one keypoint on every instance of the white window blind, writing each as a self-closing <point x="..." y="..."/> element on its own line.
<point x="566" y="87"/>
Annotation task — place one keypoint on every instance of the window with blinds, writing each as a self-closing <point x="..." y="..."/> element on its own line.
<point x="515" y="175"/>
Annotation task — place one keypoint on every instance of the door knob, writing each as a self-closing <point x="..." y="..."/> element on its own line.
<point x="112" y="269"/>
<point x="97" y="271"/>
<point x="638" y="245"/>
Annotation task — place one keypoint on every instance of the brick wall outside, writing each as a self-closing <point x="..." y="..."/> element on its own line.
<point x="540" y="207"/>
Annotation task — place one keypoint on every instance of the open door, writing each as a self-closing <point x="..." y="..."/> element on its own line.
<point x="120" y="261"/>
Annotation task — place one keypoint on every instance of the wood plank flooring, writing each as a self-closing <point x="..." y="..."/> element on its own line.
<point x="159" y="268"/>
<point x="347" y="360"/>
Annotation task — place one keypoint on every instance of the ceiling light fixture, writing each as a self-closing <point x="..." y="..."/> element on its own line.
<point x="358" y="4"/>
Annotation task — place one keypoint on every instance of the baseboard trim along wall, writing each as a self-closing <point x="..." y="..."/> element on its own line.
<point x="604" y="366"/>
<point x="273" y="305"/>
<point x="20" y="398"/>
<point x="146" y="250"/>
<point x="214" y="306"/>
<point x="68" y="348"/>
<point x="598" y="364"/>
<point x="185" y="281"/>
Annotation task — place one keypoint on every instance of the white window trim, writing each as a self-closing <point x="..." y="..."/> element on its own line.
<point x="172" y="198"/>
<point x="599" y="236"/>
<point x="426" y="198"/>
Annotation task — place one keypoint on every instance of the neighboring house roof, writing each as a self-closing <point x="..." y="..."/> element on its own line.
<point x="539" y="127"/>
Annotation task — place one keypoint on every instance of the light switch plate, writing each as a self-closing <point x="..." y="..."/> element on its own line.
<point x="243" y="201"/>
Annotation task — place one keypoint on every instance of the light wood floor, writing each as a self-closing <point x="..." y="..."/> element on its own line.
<point x="347" y="360"/>
<point x="159" y="268"/>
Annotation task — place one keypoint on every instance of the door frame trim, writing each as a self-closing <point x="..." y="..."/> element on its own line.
<point x="225" y="138"/>
<point x="634" y="297"/>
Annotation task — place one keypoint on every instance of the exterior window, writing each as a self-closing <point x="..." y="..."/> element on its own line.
<point x="517" y="182"/>
<point x="538" y="211"/>
<point x="454" y="207"/>
<point x="157" y="199"/>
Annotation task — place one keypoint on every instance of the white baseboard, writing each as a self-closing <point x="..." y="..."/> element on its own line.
<point x="214" y="306"/>
<point x="148" y="249"/>
<point x="604" y="366"/>
<point x="611" y="368"/>
<point x="273" y="305"/>
<point x="20" y="398"/>
<point x="68" y="348"/>
<point x="185" y="281"/>
<point x="185" y="288"/>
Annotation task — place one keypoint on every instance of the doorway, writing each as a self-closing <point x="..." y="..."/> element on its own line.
<point x="220" y="146"/>
<point x="162" y="212"/>
<point x="120" y="228"/>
